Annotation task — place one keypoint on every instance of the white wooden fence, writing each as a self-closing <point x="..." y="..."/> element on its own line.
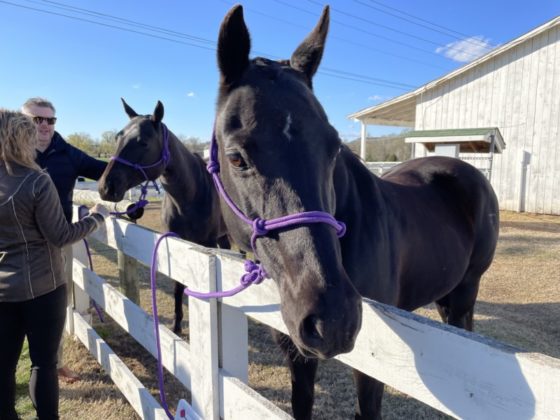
<point x="459" y="373"/>
<point x="379" y="168"/>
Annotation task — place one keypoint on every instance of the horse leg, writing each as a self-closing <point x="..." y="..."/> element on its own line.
<point x="178" y="294"/>
<point x="442" y="307"/>
<point x="223" y="242"/>
<point x="302" y="372"/>
<point x="457" y="307"/>
<point x="370" y="394"/>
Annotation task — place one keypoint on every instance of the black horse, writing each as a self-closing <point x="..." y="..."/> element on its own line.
<point x="426" y="232"/>
<point x="190" y="208"/>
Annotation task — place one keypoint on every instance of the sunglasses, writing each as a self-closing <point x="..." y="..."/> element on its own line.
<point x="49" y="120"/>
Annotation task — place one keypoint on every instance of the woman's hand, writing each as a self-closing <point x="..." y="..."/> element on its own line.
<point x="100" y="209"/>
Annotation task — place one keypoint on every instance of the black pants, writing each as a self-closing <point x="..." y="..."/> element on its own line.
<point x="41" y="320"/>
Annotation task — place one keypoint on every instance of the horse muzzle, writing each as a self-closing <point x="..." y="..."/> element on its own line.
<point x="110" y="191"/>
<point x="327" y="325"/>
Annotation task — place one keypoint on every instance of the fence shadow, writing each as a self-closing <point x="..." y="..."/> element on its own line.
<point x="543" y="226"/>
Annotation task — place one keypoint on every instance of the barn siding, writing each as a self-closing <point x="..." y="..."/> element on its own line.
<point x="519" y="92"/>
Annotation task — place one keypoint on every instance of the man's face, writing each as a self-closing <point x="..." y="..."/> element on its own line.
<point x="45" y="131"/>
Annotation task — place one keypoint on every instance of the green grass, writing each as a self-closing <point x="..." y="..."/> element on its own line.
<point x="24" y="406"/>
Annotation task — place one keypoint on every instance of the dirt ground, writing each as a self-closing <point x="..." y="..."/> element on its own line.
<point x="519" y="303"/>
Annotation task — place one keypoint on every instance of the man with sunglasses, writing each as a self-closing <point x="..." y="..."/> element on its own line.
<point x="64" y="163"/>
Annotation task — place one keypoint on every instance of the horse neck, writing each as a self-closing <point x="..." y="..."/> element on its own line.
<point x="357" y="189"/>
<point x="185" y="174"/>
<point x="361" y="205"/>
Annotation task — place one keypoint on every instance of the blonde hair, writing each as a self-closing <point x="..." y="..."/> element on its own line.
<point x="40" y="102"/>
<point x="18" y="138"/>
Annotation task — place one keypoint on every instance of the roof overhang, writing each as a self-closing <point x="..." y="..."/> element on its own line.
<point x="470" y="140"/>
<point x="401" y="111"/>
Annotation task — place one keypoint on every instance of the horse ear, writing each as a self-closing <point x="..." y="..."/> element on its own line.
<point x="307" y="57"/>
<point x="129" y="111"/>
<point x="234" y="44"/>
<point x="158" y="112"/>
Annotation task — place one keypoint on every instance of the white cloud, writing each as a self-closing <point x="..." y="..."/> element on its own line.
<point x="467" y="49"/>
<point x="376" y="98"/>
<point x="136" y="86"/>
<point x="191" y="94"/>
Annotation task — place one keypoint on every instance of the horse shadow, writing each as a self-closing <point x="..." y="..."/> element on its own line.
<point x="512" y="328"/>
<point x="165" y="286"/>
<point x="540" y="226"/>
<point x="517" y="329"/>
<point x="524" y="245"/>
<point x="335" y="393"/>
<point x="532" y="327"/>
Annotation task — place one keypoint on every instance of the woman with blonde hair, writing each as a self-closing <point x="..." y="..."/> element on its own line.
<point x="32" y="285"/>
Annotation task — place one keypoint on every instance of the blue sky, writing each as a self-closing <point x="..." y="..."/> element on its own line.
<point x="85" y="55"/>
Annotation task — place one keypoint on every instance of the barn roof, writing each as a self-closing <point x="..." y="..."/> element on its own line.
<point x="471" y="140"/>
<point x="401" y="111"/>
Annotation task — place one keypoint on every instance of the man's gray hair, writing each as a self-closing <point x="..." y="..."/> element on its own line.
<point x="37" y="102"/>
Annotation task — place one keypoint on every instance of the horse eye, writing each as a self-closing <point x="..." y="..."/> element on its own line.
<point x="237" y="160"/>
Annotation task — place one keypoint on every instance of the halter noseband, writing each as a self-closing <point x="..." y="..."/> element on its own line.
<point x="261" y="227"/>
<point x="164" y="160"/>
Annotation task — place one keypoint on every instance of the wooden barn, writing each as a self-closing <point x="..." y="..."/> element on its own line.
<point x="510" y="96"/>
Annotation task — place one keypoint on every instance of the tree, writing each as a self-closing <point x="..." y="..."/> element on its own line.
<point x="387" y="148"/>
<point x="84" y="142"/>
<point x="194" y="144"/>
<point x="108" y="143"/>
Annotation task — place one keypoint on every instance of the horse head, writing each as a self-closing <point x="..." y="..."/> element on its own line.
<point x="140" y="155"/>
<point x="277" y="152"/>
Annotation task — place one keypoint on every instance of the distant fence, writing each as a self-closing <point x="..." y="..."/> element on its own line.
<point x="132" y="194"/>
<point x="459" y="373"/>
<point x="481" y="161"/>
<point x="379" y="168"/>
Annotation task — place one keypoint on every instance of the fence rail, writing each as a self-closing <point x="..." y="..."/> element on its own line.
<point x="459" y="373"/>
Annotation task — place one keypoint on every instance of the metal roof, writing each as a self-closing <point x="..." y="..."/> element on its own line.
<point x="474" y="140"/>
<point x="401" y="111"/>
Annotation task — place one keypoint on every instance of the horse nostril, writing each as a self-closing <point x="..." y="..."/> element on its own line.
<point x="313" y="328"/>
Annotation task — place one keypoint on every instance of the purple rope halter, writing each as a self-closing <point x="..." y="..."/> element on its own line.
<point x="164" y="160"/>
<point x="261" y="227"/>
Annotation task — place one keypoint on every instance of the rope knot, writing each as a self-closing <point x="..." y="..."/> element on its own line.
<point x="340" y="229"/>
<point x="165" y="156"/>
<point x="213" y="167"/>
<point x="255" y="274"/>
<point x="259" y="228"/>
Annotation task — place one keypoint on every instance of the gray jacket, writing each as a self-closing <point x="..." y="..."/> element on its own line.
<point x="32" y="231"/>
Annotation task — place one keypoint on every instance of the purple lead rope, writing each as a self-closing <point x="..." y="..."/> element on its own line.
<point x="153" y="273"/>
<point x="83" y="211"/>
<point x="255" y="273"/>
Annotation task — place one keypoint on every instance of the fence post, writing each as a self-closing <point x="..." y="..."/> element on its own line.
<point x="128" y="276"/>
<point x="203" y="331"/>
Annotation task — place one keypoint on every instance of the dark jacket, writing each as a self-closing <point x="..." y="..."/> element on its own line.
<point x="65" y="163"/>
<point x="33" y="229"/>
